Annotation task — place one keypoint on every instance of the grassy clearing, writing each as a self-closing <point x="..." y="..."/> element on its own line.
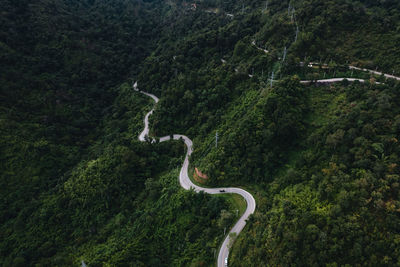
<point x="236" y="202"/>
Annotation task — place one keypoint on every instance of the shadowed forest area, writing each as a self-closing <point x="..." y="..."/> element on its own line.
<point x="321" y="161"/>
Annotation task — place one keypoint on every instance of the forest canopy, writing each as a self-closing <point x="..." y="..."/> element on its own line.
<point x="321" y="161"/>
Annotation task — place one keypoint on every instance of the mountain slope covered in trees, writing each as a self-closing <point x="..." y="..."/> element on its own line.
<point x="322" y="161"/>
<point x="76" y="183"/>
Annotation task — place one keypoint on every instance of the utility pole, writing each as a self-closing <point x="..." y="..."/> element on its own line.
<point x="297" y="33"/>
<point x="284" y="54"/>
<point x="292" y="18"/>
<point x="272" y="78"/>
<point x="216" y="139"/>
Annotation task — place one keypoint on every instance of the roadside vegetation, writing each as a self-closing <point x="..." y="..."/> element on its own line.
<point x="321" y="161"/>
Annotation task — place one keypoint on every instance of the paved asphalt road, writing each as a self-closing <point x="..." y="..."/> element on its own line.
<point x="352" y="68"/>
<point x="333" y="80"/>
<point x="186" y="183"/>
<point x="376" y="72"/>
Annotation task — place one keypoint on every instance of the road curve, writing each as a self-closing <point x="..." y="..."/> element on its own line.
<point x="187" y="184"/>
<point x="375" y="72"/>
<point x="355" y="68"/>
<point x="333" y="80"/>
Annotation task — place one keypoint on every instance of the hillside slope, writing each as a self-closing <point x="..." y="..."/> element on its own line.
<point x="321" y="161"/>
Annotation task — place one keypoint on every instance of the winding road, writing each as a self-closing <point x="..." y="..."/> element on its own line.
<point x="187" y="184"/>
<point x="376" y="72"/>
<point x="334" y="80"/>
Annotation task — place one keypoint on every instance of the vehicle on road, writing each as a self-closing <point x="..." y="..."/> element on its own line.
<point x="187" y="184"/>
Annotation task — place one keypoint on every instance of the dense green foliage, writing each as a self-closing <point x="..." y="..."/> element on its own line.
<point x="114" y="206"/>
<point x="336" y="201"/>
<point x="75" y="181"/>
<point x="267" y="127"/>
<point x="322" y="162"/>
